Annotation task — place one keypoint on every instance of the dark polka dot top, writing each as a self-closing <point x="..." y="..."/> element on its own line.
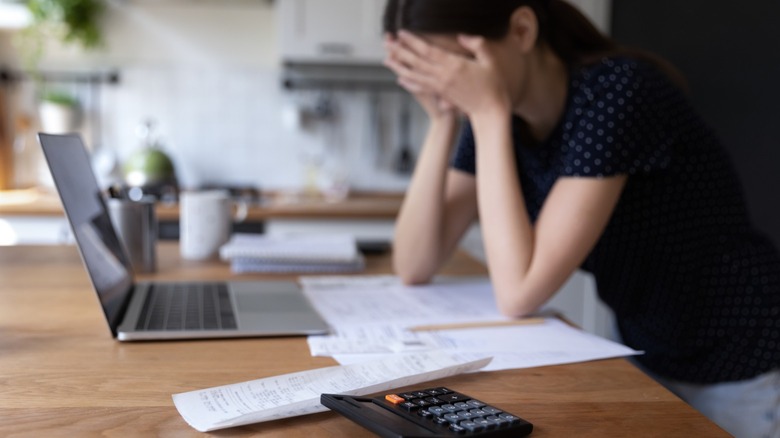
<point x="691" y="282"/>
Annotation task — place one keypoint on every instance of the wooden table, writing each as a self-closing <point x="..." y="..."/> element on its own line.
<point x="62" y="374"/>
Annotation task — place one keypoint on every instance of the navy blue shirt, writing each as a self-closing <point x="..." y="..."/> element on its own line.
<point x="691" y="282"/>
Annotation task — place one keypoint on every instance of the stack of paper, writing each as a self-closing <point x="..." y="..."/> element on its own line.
<point x="376" y="317"/>
<point x="292" y="253"/>
<point x="299" y="393"/>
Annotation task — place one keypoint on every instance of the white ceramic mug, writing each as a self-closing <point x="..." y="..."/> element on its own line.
<point x="205" y="223"/>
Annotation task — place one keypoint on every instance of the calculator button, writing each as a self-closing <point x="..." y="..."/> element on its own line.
<point x="449" y="408"/>
<point x="434" y="391"/>
<point x="408" y="395"/>
<point x="409" y="406"/>
<point x="484" y="422"/>
<point x="494" y="421"/>
<point x="441" y="421"/>
<point x="509" y="417"/>
<point x="436" y="410"/>
<point x="457" y="429"/>
<point x="471" y="426"/>
<point x="461" y="405"/>
<point x="453" y="397"/>
<point x="478" y="412"/>
<point x="420" y="394"/>
<point x="452" y="418"/>
<point x="491" y="410"/>
<point x="464" y="415"/>
<point x="425" y="413"/>
<point x="498" y="421"/>
<point x="421" y="402"/>
<point x="395" y="399"/>
<point x="433" y="401"/>
<point x="476" y="403"/>
<point x="443" y="390"/>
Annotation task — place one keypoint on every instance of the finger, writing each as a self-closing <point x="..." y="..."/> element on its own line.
<point x="399" y="68"/>
<point x="422" y="73"/>
<point x="411" y="86"/>
<point x="404" y="55"/>
<point x="475" y="45"/>
<point x="420" y="47"/>
<point x="411" y="75"/>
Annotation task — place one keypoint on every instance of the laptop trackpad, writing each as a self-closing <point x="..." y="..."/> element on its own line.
<point x="270" y="302"/>
<point x="275" y="308"/>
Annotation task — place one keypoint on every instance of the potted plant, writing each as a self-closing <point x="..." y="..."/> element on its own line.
<point x="69" y="21"/>
<point x="59" y="112"/>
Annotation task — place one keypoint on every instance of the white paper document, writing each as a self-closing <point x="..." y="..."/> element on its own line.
<point x="357" y="301"/>
<point x="299" y="393"/>
<point x="550" y="343"/>
<point x="370" y="316"/>
<point x="369" y="339"/>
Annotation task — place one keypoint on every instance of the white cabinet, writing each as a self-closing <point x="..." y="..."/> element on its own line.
<point x="331" y="31"/>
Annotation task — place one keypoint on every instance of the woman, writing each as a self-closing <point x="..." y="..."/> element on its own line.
<point x="579" y="154"/>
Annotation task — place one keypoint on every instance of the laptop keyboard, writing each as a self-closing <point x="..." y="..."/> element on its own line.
<point x="196" y="306"/>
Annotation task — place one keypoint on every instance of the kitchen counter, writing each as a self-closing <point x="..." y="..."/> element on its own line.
<point x="30" y="202"/>
<point x="359" y="205"/>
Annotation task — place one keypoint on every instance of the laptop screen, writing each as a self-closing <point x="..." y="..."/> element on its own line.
<point x="104" y="256"/>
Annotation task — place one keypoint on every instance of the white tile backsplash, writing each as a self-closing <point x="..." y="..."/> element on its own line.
<point x="224" y="125"/>
<point x="207" y="72"/>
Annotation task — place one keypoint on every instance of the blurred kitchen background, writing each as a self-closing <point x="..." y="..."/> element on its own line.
<point x="275" y="94"/>
<point x="289" y="98"/>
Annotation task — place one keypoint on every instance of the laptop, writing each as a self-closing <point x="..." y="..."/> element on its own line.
<point x="164" y="310"/>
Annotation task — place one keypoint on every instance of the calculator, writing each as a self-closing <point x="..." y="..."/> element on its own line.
<point x="431" y="412"/>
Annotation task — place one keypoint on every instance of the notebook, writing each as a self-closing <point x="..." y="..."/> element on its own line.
<point x="165" y="310"/>
<point x="299" y="253"/>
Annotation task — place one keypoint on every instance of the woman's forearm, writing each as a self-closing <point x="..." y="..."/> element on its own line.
<point x="507" y="230"/>
<point x="419" y="241"/>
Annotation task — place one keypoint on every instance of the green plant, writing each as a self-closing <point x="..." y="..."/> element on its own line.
<point x="78" y="17"/>
<point x="60" y="97"/>
<point x="70" y="21"/>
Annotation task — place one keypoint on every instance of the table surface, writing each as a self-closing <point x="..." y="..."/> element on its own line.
<point x="62" y="374"/>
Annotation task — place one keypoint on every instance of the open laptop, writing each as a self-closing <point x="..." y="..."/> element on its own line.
<point x="164" y="310"/>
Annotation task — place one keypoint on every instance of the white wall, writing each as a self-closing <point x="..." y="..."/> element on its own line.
<point x="207" y="71"/>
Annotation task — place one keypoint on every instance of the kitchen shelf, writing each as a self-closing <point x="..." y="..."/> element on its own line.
<point x="297" y="76"/>
<point x="10" y="75"/>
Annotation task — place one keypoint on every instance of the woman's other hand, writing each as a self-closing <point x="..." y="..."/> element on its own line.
<point x="435" y="106"/>
<point x="469" y="79"/>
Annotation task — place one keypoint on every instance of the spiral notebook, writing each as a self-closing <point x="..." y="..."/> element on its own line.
<point x="305" y="253"/>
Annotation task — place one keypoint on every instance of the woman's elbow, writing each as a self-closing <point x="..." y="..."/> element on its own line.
<point x="411" y="277"/>
<point x="516" y="305"/>
<point x="412" y="273"/>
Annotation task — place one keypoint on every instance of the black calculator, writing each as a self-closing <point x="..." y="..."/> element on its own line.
<point x="432" y="412"/>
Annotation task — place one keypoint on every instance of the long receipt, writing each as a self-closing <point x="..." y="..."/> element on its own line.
<point x="299" y="393"/>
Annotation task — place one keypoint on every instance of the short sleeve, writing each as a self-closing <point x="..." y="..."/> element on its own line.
<point x="621" y="121"/>
<point x="464" y="157"/>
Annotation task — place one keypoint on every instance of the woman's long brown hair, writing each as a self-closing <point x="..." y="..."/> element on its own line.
<point x="566" y="30"/>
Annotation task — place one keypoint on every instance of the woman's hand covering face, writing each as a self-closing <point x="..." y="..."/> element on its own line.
<point x="469" y="79"/>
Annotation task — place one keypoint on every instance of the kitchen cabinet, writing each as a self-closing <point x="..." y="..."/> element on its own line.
<point x="331" y="32"/>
